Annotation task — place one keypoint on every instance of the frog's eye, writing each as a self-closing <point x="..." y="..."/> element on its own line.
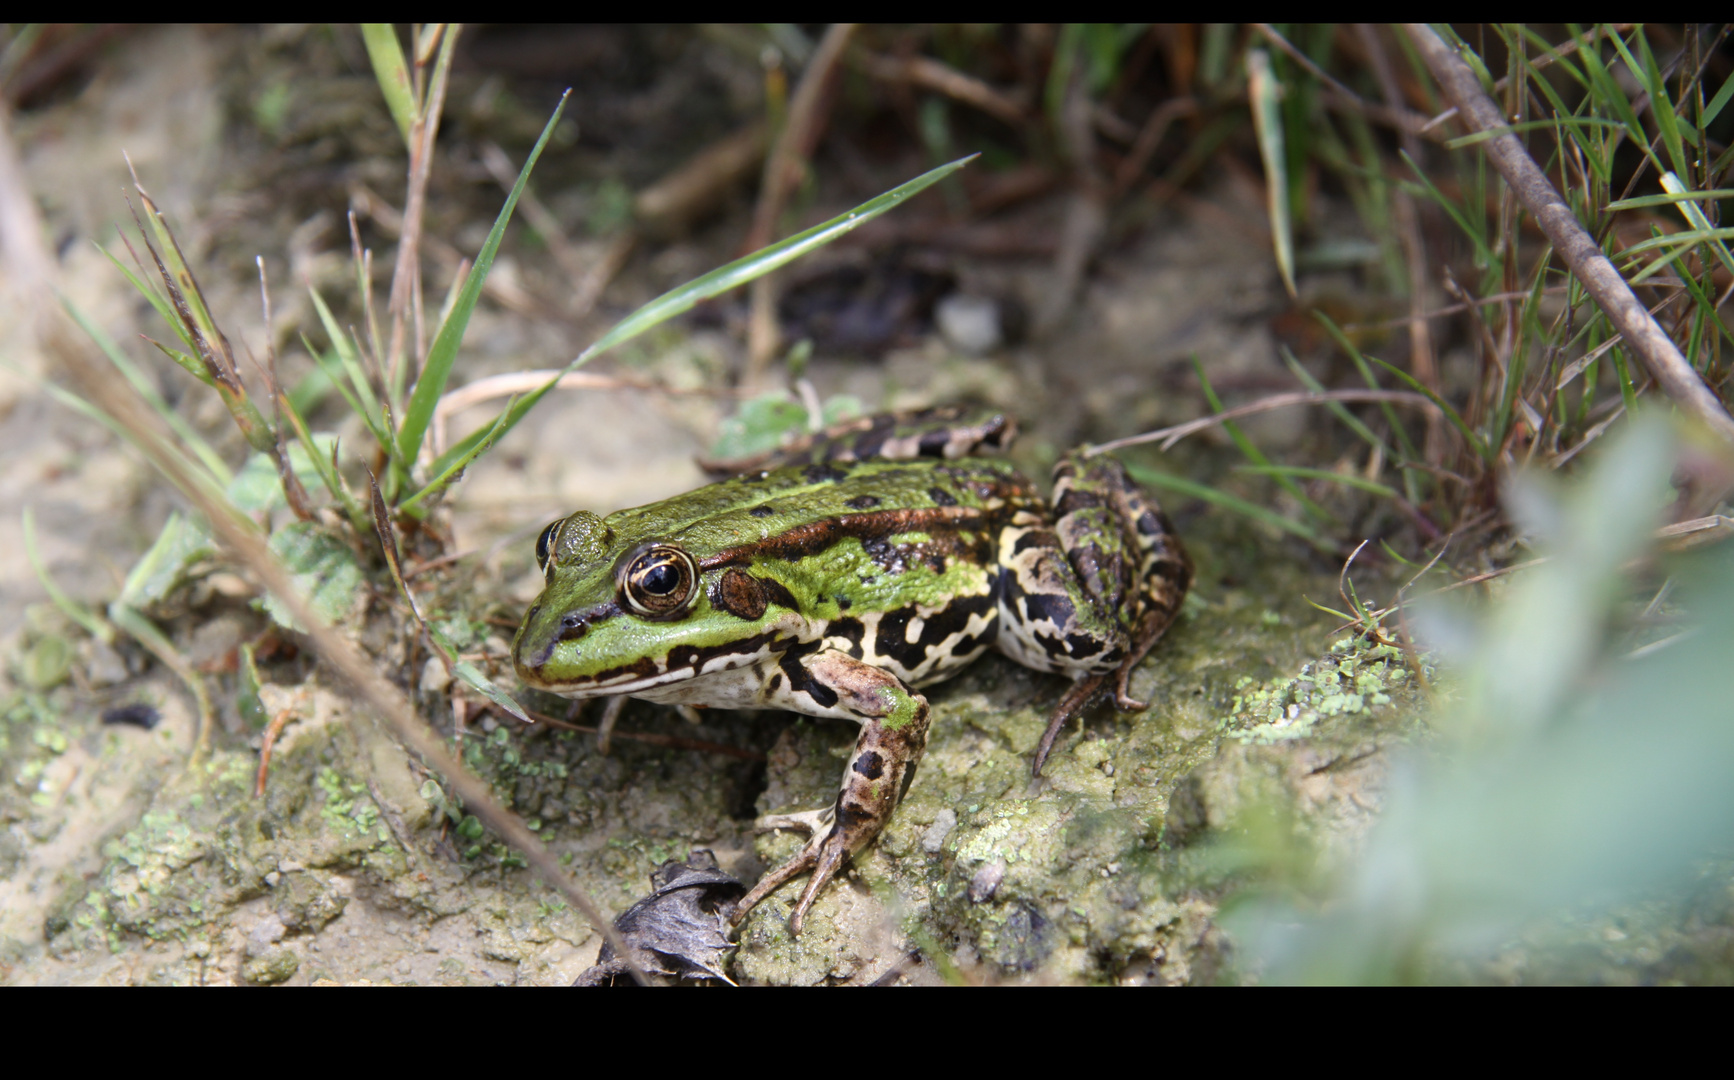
<point x="660" y="582"/>
<point x="545" y="545"/>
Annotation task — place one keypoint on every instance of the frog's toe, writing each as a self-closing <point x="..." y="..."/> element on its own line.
<point x="811" y="822"/>
<point x="776" y="879"/>
<point x="831" y="853"/>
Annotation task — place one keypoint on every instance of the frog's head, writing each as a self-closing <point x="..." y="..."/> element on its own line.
<point x="612" y="607"/>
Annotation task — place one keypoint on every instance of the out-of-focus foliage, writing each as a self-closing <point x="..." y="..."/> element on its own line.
<point x="1570" y="769"/>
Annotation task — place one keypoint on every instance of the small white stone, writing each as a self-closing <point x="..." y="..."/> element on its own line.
<point x="434" y="676"/>
<point x="934" y="838"/>
<point x="970" y="324"/>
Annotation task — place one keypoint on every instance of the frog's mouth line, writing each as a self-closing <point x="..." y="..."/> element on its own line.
<point x="682" y="662"/>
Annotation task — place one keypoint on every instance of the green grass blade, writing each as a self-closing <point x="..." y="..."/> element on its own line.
<point x="1360" y="361"/>
<point x="1186" y="486"/>
<point x="1661" y="105"/>
<point x="322" y="464"/>
<point x="1565" y="123"/>
<point x="1694" y="216"/>
<point x="1474" y="441"/>
<point x="1341" y="411"/>
<point x="431" y="383"/>
<point x="1610" y="98"/>
<point x="72" y="609"/>
<point x="1357" y="482"/>
<point x="362" y="400"/>
<point x="1718" y="103"/>
<point x="1266" y="94"/>
<point x="392" y="70"/>
<point x="682" y="299"/>
<point x="166" y="310"/>
<point x="1426" y="189"/>
<point x="1253" y="453"/>
<point x="450" y="472"/>
<point x="1672" y="199"/>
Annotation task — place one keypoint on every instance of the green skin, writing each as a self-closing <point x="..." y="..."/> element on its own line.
<point x="883" y="560"/>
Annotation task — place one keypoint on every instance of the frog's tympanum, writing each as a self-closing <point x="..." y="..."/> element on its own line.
<point x="877" y="558"/>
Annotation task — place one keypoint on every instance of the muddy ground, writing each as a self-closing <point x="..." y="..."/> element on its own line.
<point x="123" y="860"/>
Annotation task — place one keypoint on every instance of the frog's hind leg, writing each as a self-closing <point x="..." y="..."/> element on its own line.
<point x="1092" y="595"/>
<point x="1096" y="497"/>
<point x="822" y="681"/>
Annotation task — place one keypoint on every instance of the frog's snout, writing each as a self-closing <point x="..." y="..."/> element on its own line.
<point x="539" y="637"/>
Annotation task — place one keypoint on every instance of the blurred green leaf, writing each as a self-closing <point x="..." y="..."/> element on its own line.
<point x="323" y="569"/>
<point x="758" y="426"/>
<point x="392" y="70"/>
<point x="1574" y="775"/>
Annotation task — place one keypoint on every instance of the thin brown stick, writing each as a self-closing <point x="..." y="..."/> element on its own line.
<point x="931" y="74"/>
<point x="1603" y="282"/>
<point x="405" y="302"/>
<point x="1170" y="435"/>
<point x="1149" y="138"/>
<point x="793" y="146"/>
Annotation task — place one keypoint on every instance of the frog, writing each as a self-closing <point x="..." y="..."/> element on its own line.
<point x="858" y="566"/>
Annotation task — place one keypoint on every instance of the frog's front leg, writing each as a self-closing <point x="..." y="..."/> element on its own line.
<point x="822" y="681"/>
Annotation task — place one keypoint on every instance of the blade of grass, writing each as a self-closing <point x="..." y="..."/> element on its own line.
<point x="1253" y="453"/>
<point x="1341" y="411"/>
<point x="392" y="70"/>
<point x="93" y="624"/>
<point x="363" y="400"/>
<point x="1265" y="94"/>
<point x="1360" y="483"/>
<point x="1186" y="486"/>
<point x="1347" y="345"/>
<point x="167" y="311"/>
<point x="324" y="465"/>
<point x="1694" y="216"/>
<point x="432" y="381"/>
<point x="682" y="299"/>
<point x="447" y="475"/>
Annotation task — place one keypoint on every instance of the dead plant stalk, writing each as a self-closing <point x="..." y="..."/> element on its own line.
<point x="1582" y="254"/>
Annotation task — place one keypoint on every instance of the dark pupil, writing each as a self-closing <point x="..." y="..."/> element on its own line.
<point x="660" y="580"/>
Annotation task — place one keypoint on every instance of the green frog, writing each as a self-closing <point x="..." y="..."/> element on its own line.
<point x="875" y="558"/>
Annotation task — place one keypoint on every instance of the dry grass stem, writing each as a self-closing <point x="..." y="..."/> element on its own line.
<point x="1168" y="436"/>
<point x="1581" y="252"/>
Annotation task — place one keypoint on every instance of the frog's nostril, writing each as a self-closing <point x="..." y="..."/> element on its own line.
<point x="531" y="614"/>
<point x="572" y="625"/>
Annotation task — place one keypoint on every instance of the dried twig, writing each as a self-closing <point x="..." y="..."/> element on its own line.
<point x="1603" y="282"/>
<point x="794" y="145"/>
<point x="1170" y="435"/>
<point x="931" y="74"/>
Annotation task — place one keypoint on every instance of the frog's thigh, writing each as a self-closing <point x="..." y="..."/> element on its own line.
<point x="893" y="719"/>
<point x="1048" y="620"/>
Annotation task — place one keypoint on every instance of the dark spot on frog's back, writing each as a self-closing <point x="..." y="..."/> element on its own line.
<point x="863" y="502"/>
<point x="941" y="497"/>
<point x="870" y="765"/>
<point x="821" y="472"/>
<point x="761" y="511"/>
